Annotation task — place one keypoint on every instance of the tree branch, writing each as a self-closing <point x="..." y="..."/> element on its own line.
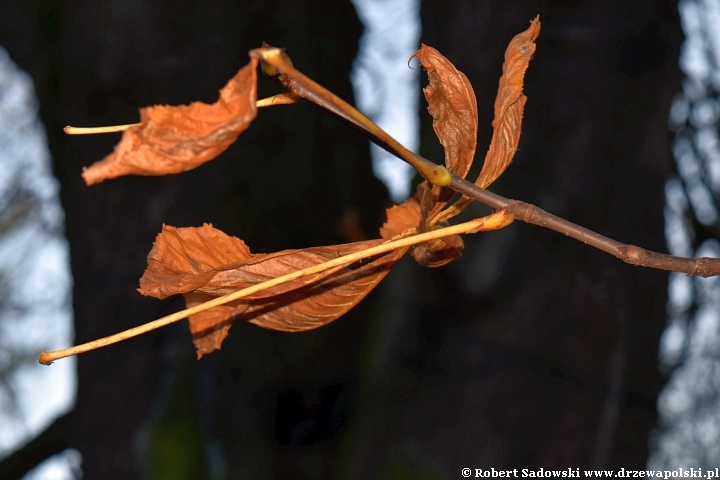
<point x="311" y="91"/>
<point x="296" y="82"/>
<point x="53" y="440"/>
<point x="525" y="212"/>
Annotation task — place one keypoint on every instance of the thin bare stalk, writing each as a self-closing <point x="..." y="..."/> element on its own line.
<point x="70" y="130"/>
<point x="495" y="221"/>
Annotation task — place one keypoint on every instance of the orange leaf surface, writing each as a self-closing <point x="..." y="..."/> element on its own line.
<point x="401" y="217"/>
<point x="204" y="263"/>
<point x="177" y="139"/>
<point x="509" y="105"/>
<point x="440" y="251"/>
<point x="434" y="253"/>
<point x="452" y="104"/>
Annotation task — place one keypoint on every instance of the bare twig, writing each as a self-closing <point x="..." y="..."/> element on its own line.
<point x="315" y="93"/>
<point x="525" y="212"/>
<point x="495" y="221"/>
<point x="70" y="130"/>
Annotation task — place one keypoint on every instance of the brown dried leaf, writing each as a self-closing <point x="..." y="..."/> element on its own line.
<point x="435" y="253"/>
<point x="400" y="218"/>
<point x="176" y="139"/>
<point x="452" y="104"/>
<point x="509" y="105"/>
<point x="183" y="259"/>
<point x="204" y="263"/>
<point x="440" y="251"/>
<point x="209" y="328"/>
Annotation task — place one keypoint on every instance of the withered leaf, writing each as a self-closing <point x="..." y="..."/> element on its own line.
<point x="175" y="139"/>
<point x="204" y="263"/>
<point x="438" y="252"/>
<point x="452" y="104"/>
<point x="210" y="327"/>
<point x="401" y="217"/>
<point x="509" y="105"/>
<point x="183" y="259"/>
<point x="434" y="253"/>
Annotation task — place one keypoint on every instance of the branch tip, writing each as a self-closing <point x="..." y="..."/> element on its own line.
<point x="70" y="130"/>
<point x="46" y="358"/>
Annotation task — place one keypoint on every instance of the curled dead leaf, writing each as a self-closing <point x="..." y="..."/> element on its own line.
<point x="509" y="105"/>
<point x="452" y="104"/>
<point x="175" y="139"/>
<point x="204" y="263"/>
<point x="507" y="123"/>
<point x="401" y="218"/>
<point x="440" y="251"/>
<point x="434" y="253"/>
<point x="209" y="328"/>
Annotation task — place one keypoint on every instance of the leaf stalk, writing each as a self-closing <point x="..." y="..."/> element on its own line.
<point x="495" y="221"/>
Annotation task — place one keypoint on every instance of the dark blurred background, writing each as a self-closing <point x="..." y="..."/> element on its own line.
<point x="531" y="351"/>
